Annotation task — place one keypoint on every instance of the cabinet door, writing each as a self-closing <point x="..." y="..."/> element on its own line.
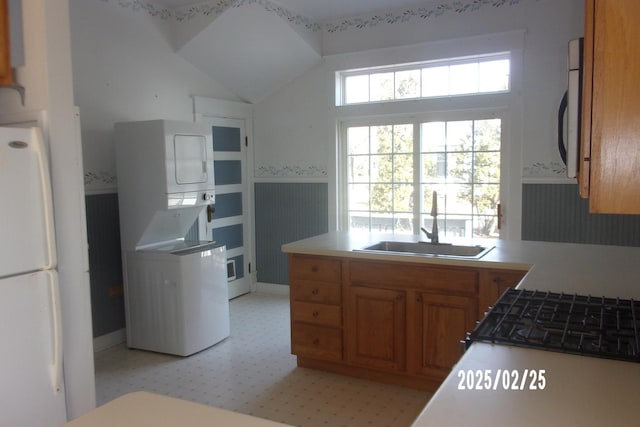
<point x="376" y="328"/>
<point x="5" y="61"/>
<point x="615" y="106"/>
<point x="442" y="322"/>
<point x="493" y="283"/>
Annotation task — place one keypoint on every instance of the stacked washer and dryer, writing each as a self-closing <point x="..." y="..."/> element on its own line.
<point x="176" y="298"/>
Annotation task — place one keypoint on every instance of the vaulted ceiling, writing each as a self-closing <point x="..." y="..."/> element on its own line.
<point x="255" y="47"/>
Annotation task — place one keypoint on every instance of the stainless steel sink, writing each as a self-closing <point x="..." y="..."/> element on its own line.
<point x="430" y="249"/>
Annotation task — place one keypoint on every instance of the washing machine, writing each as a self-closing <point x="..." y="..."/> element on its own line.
<point x="177" y="299"/>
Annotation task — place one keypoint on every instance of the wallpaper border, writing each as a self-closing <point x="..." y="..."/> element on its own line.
<point x="400" y="16"/>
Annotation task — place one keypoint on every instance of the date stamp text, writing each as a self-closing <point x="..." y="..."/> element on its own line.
<point x="502" y="379"/>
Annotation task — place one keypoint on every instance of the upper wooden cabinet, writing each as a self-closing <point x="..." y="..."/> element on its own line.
<point x="610" y="151"/>
<point x="6" y="76"/>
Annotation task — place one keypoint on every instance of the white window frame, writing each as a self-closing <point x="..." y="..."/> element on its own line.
<point x="341" y="76"/>
<point x="508" y="105"/>
<point x="416" y="120"/>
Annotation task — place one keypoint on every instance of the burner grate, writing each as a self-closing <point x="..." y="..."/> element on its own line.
<point x="579" y="324"/>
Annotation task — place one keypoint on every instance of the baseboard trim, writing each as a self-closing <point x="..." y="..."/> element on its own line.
<point x="111" y="339"/>
<point x="272" y="288"/>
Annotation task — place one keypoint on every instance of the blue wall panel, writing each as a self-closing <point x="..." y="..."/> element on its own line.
<point x="286" y="212"/>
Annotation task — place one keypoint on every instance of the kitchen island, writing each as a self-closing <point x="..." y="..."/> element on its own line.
<point x="577" y="390"/>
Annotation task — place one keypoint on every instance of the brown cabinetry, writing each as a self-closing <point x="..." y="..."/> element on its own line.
<point x="441" y="322"/>
<point x="376" y="328"/>
<point x="493" y="283"/>
<point x="5" y="60"/>
<point x="316" y="307"/>
<point x="610" y="150"/>
<point x="397" y="322"/>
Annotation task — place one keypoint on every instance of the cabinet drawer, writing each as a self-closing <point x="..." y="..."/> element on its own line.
<point x="320" y="314"/>
<point x="419" y="277"/>
<point x="314" y="268"/>
<point x="316" y="341"/>
<point x="313" y="291"/>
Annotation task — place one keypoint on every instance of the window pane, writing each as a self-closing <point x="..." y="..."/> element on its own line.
<point x="381" y="168"/>
<point x="433" y="167"/>
<point x="381" y="138"/>
<point x="435" y="81"/>
<point x="463" y="78"/>
<point x="434" y="136"/>
<point x="403" y="198"/>
<point x="407" y="84"/>
<point x="358" y="197"/>
<point x="381" y="86"/>
<point x="459" y="199"/>
<point x="359" y="221"/>
<point x="356" y="89"/>
<point x="402" y="224"/>
<point x="485" y="199"/>
<point x="459" y="135"/>
<point x="403" y="138"/>
<point x="458" y="226"/>
<point x="381" y="198"/>
<point x="459" y="167"/>
<point x="486" y="167"/>
<point x="485" y="226"/>
<point x="358" y="169"/>
<point x="487" y="134"/>
<point x="494" y="76"/>
<point x="403" y="168"/>
<point x="358" y="140"/>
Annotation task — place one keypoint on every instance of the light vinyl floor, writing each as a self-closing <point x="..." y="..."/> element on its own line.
<point x="253" y="372"/>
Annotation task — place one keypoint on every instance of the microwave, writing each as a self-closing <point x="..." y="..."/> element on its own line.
<point x="570" y="106"/>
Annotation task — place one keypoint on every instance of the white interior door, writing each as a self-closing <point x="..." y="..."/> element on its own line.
<point x="230" y="223"/>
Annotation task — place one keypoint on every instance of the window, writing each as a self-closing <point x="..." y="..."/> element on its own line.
<point x="393" y="170"/>
<point x="451" y="77"/>
<point x="393" y="163"/>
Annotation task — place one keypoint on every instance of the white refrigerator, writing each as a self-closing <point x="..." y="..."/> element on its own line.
<point x="32" y="390"/>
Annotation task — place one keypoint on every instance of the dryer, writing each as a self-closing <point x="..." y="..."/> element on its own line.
<point x="176" y="297"/>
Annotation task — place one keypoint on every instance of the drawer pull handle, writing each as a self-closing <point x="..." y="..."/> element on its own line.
<point x="315" y="291"/>
<point x="314" y="269"/>
<point x="315" y="313"/>
<point x="316" y="341"/>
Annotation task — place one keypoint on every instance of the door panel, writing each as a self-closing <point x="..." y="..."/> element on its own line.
<point x="230" y="220"/>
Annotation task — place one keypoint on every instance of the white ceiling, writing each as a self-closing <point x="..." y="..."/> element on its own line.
<point x="273" y="53"/>
<point x="321" y="10"/>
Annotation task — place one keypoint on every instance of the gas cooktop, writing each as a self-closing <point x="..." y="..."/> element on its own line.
<point x="578" y="324"/>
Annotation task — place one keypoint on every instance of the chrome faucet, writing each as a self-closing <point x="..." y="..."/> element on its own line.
<point x="433" y="236"/>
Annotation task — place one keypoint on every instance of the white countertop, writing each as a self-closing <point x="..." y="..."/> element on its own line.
<point x="142" y="409"/>
<point x="579" y="390"/>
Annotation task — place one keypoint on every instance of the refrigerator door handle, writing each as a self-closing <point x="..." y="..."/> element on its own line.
<point x="56" y="366"/>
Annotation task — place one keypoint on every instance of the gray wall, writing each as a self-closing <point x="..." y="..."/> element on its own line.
<point x="555" y="213"/>
<point x="286" y="212"/>
<point x="105" y="265"/>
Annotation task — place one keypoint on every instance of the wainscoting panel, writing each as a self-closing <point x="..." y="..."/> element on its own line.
<point x="286" y="212"/>
<point x="105" y="264"/>
<point x="555" y="213"/>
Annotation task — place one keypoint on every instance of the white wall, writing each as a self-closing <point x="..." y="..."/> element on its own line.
<point x="295" y="128"/>
<point x="126" y="69"/>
